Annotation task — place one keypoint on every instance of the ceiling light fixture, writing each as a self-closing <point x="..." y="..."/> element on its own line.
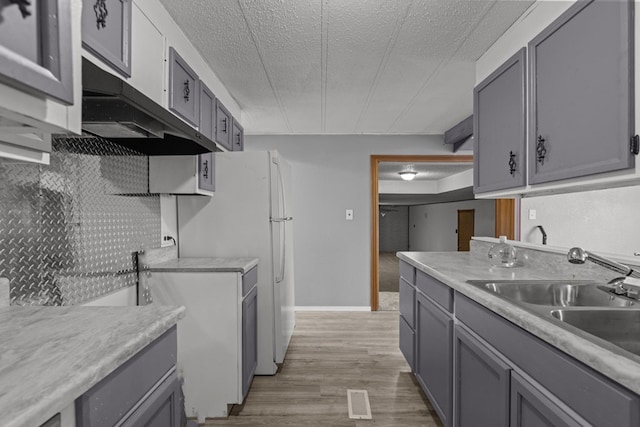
<point x="408" y="175"/>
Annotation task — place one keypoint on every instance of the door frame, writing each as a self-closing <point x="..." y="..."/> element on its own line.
<point x="504" y="216"/>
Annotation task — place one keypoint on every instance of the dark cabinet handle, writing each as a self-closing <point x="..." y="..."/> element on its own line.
<point x="100" y="9"/>
<point x="224" y="125"/>
<point x="238" y="140"/>
<point x="512" y="163"/>
<point x="205" y="169"/>
<point x="22" y="6"/>
<point x="186" y="91"/>
<point x="541" y="150"/>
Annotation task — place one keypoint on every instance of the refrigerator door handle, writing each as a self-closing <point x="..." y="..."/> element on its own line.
<point x="287" y="218"/>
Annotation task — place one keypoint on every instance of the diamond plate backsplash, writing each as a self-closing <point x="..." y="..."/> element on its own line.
<point x="68" y="230"/>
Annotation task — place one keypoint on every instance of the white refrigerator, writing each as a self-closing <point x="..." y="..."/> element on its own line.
<point x="250" y="215"/>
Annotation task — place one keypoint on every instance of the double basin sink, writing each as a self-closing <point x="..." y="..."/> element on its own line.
<point x="586" y="305"/>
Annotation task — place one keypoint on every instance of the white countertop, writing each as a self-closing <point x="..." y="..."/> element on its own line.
<point x="52" y="355"/>
<point x="455" y="268"/>
<point x="241" y="265"/>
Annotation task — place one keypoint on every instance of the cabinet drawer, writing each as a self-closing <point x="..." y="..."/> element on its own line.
<point x="594" y="397"/>
<point x="407" y="302"/>
<point x="223" y="126"/>
<point x="109" y="400"/>
<point x="436" y="290"/>
<point x="249" y="279"/>
<point x="183" y="89"/>
<point x="407" y="342"/>
<point x="408" y="272"/>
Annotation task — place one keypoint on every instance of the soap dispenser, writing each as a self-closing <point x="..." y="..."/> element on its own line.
<point x="502" y="254"/>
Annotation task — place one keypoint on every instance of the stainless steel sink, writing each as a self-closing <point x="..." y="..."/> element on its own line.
<point x="554" y="293"/>
<point x="617" y="326"/>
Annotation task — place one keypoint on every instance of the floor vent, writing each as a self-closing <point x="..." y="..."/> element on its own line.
<point x="358" y="402"/>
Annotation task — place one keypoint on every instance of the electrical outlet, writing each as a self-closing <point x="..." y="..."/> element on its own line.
<point x="349" y="214"/>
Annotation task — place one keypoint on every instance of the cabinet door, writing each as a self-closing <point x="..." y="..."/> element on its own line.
<point x="183" y="89"/>
<point x="238" y="136"/>
<point x="207" y="112"/>
<point x="481" y="383"/>
<point x="434" y="355"/>
<point x="407" y="302"/>
<point x="106" y="32"/>
<point x="249" y="339"/>
<point x="499" y="113"/>
<point x="530" y="407"/>
<point x="581" y="113"/>
<point x="207" y="172"/>
<point x="160" y="409"/>
<point x="223" y="126"/>
<point x="36" y="47"/>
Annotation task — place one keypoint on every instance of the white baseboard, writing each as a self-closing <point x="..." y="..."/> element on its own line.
<point x="333" y="308"/>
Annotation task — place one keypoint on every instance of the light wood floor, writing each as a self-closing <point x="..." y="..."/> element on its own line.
<point x="330" y="353"/>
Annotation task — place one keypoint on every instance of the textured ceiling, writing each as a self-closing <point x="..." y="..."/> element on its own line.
<point x="426" y="171"/>
<point x="346" y="66"/>
<point x="425" y="199"/>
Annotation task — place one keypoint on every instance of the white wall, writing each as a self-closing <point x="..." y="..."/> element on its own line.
<point x="433" y="227"/>
<point x="331" y="174"/>
<point x="601" y="220"/>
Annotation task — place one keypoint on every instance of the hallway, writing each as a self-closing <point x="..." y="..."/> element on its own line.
<point x="331" y="352"/>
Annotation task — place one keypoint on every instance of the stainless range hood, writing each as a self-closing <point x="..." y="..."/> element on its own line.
<point x="114" y="110"/>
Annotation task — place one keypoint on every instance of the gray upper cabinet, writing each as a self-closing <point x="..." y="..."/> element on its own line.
<point x="206" y="172"/>
<point x="207" y="112"/>
<point x="581" y="103"/>
<point x="499" y="115"/>
<point x="184" y="89"/>
<point x="106" y="32"/>
<point x="223" y="126"/>
<point x="36" y="48"/>
<point x="237" y="137"/>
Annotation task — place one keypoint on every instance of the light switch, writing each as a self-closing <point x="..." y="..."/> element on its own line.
<point x="532" y="214"/>
<point x="349" y="214"/>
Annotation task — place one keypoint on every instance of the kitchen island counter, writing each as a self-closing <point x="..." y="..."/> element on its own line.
<point x="52" y="355"/>
<point x="456" y="268"/>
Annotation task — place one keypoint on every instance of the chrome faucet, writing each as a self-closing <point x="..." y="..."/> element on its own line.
<point x="580" y="256"/>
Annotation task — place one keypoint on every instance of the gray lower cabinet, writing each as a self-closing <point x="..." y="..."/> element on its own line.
<point x="434" y="355"/>
<point x="581" y="116"/>
<point x="407" y="306"/>
<point x="532" y="407"/>
<point x="499" y="115"/>
<point x="144" y="391"/>
<point x="249" y="338"/>
<point x="482" y="383"/>
<point x="592" y="399"/>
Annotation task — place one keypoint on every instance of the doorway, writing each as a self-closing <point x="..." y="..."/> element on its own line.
<point x="466" y="228"/>
<point x="504" y="209"/>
